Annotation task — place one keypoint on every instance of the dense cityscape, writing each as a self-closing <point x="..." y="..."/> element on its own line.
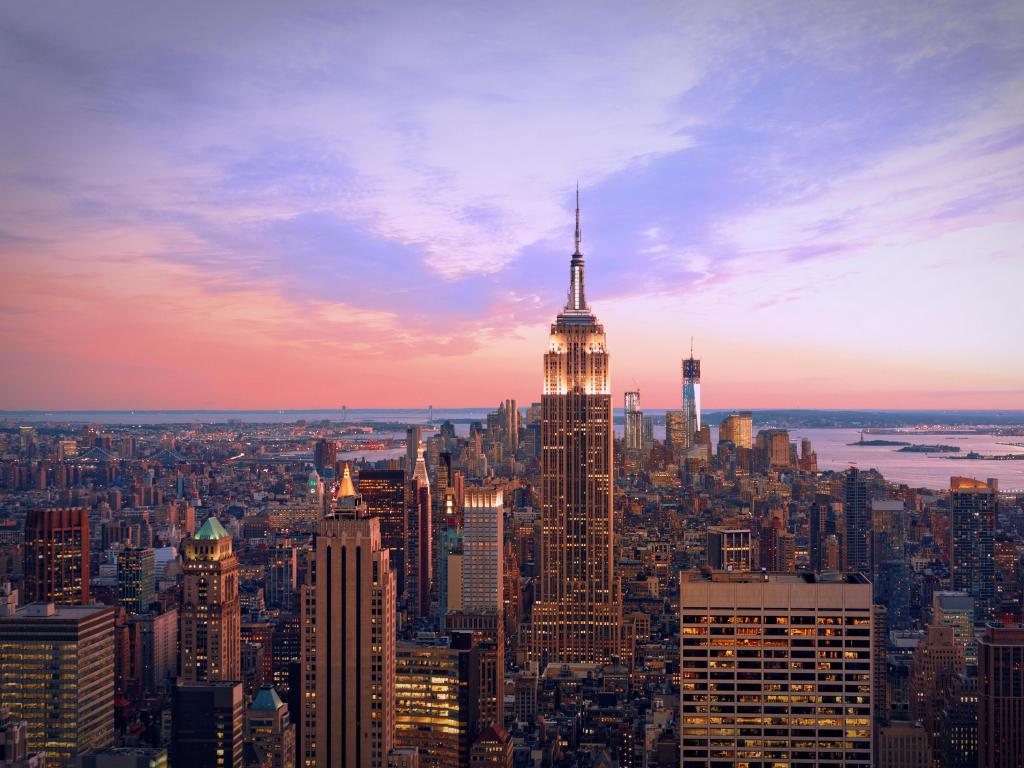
<point x="532" y="589"/>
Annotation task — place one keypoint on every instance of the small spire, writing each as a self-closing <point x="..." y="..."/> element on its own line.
<point x="577" y="251"/>
<point x="691" y="347"/>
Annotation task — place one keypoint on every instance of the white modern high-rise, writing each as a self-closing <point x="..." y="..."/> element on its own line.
<point x="483" y="527"/>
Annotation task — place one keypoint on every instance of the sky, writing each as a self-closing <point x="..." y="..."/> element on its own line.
<point x="304" y="205"/>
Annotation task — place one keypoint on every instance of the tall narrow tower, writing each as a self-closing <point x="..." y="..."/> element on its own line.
<point x="348" y="641"/>
<point x="691" y="397"/>
<point x="211" y="610"/>
<point x="577" y="615"/>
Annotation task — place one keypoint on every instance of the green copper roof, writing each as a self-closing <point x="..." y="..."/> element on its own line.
<point x="212" y="529"/>
<point x="266" y="699"/>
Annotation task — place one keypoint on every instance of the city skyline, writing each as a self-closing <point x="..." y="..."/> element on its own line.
<point x="205" y="210"/>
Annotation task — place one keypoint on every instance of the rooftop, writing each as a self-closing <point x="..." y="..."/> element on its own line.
<point x="211" y="530"/>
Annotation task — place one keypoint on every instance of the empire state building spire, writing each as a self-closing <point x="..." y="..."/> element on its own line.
<point x="577" y="301"/>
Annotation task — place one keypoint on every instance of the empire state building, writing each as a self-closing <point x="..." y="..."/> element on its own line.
<point x="578" y="613"/>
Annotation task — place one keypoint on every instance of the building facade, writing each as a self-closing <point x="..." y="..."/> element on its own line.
<point x="348" y="639"/>
<point x="775" y="670"/>
<point x="57" y="556"/>
<point x="1001" y="696"/>
<point x="578" y="613"/>
<point x="210" y="610"/>
<point x="57" y="674"/>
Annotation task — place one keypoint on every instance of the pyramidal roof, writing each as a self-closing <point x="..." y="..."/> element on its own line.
<point x="347" y="488"/>
<point x="266" y="699"/>
<point x="212" y="529"/>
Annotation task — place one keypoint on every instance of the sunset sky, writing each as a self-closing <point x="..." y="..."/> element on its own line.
<point x="275" y="205"/>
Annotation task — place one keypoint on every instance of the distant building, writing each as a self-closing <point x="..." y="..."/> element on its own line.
<point x="383" y="492"/>
<point x="738" y="429"/>
<point x="857" y="517"/>
<point x="58" y="676"/>
<point x="419" y="541"/>
<point x="136" y="579"/>
<point x="208" y="720"/>
<point x="956" y="609"/>
<point x="691" y="399"/>
<point x="57" y="556"/>
<point x="633" y="428"/>
<point x="972" y="542"/>
<point x="729" y="549"/>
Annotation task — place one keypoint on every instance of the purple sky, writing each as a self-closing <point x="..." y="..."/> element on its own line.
<point x="299" y="205"/>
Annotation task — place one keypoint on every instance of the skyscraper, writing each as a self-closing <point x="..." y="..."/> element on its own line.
<point x="857" y="516"/>
<point x="208" y="720"/>
<point x="57" y="556"/>
<point x="1001" y="696"/>
<point x="691" y="397"/>
<point x="633" y="431"/>
<point x="482" y="547"/>
<point x="136" y="579"/>
<point x="578" y="612"/>
<point x="419" y="537"/>
<point x="972" y="542"/>
<point x="436" y="698"/>
<point x="348" y="643"/>
<point x="210" y="611"/>
<point x="738" y="429"/>
<point x="754" y="689"/>
<point x="57" y="674"/>
<point x="383" y="492"/>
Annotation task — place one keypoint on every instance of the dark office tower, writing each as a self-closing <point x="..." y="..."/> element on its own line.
<point x="413" y="437"/>
<point x="348" y="645"/>
<point x="857" y="513"/>
<point x="1001" y="696"/>
<point x="972" y="542"/>
<point x="578" y="612"/>
<point x="207" y="721"/>
<point x="136" y="579"/>
<point x="488" y="632"/>
<point x="436" y="698"/>
<point x="691" y="397"/>
<point x="419" y="541"/>
<point x="633" y="429"/>
<point x="57" y="556"/>
<point x="510" y="417"/>
<point x="57" y="673"/>
<point x="325" y="457"/>
<point x="210" y="610"/>
<point x="383" y="492"/>
<point x="815" y="537"/>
